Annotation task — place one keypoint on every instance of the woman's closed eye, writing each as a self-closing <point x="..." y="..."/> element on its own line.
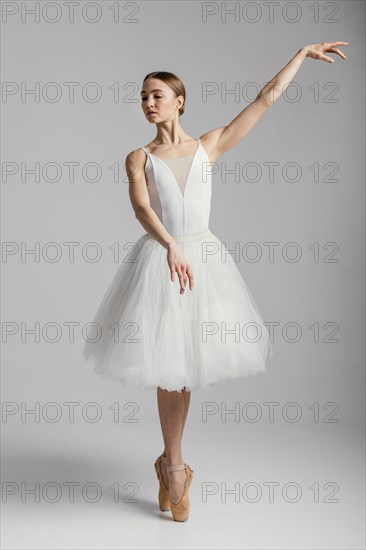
<point x="157" y="97"/>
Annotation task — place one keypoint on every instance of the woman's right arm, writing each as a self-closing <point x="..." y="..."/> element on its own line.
<point x="139" y="197"/>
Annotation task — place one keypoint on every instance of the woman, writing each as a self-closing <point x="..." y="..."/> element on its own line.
<point x="179" y="342"/>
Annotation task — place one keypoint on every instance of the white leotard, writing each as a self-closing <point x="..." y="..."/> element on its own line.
<point x="180" y="190"/>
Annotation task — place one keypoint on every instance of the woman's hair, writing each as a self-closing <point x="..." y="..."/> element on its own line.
<point x="173" y="81"/>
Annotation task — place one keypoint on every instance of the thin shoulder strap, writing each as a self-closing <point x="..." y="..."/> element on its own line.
<point x="143" y="148"/>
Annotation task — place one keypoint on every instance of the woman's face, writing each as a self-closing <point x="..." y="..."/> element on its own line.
<point x="158" y="101"/>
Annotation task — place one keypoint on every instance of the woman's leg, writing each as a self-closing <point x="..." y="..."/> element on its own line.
<point x="187" y="400"/>
<point x="173" y="409"/>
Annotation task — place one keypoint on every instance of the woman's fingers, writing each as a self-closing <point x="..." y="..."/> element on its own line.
<point x="177" y="263"/>
<point x="184" y="274"/>
<point x="332" y="47"/>
<point x="191" y="277"/>
<point x="182" y="279"/>
<point x="337" y="51"/>
<point x="317" y="51"/>
<point x="326" y="58"/>
<point x="188" y="275"/>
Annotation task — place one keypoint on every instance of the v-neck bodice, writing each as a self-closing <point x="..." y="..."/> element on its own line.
<point x="180" y="167"/>
<point x="180" y="190"/>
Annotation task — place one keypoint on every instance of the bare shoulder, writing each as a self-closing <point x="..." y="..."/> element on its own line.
<point x="137" y="155"/>
<point x="135" y="163"/>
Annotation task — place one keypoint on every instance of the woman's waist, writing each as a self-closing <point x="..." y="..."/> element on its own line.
<point x="187" y="236"/>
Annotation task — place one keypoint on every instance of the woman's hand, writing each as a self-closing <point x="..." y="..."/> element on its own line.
<point x="316" y="51"/>
<point x="177" y="263"/>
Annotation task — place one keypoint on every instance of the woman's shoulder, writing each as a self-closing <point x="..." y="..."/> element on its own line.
<point x="136" y="154"/>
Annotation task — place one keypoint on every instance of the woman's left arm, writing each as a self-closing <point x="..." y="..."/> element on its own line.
<point x="273" y="89"/>
<point x="220" y="140"/>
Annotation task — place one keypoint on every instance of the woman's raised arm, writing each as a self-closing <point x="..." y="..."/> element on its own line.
<point x="220" y="140"/>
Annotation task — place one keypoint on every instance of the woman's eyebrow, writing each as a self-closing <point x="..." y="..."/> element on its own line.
<point x="156" y="90"/>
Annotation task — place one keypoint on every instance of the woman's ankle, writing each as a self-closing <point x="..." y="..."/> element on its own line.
<point x="172" y="459"/>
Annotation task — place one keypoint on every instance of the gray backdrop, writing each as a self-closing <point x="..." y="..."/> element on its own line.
<point x="284" y="469"/>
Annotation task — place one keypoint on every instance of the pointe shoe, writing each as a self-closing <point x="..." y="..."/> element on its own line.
<point x="163" y="495"/>
<point x="180" y="509"/>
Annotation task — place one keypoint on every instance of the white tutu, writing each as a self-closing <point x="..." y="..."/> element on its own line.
<point x="147" y="335"/>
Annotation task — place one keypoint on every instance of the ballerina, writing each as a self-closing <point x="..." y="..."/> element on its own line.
<point x="176" y="341"/>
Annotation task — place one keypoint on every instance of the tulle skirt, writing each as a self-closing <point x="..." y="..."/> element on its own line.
<point x="146" y="334"/>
